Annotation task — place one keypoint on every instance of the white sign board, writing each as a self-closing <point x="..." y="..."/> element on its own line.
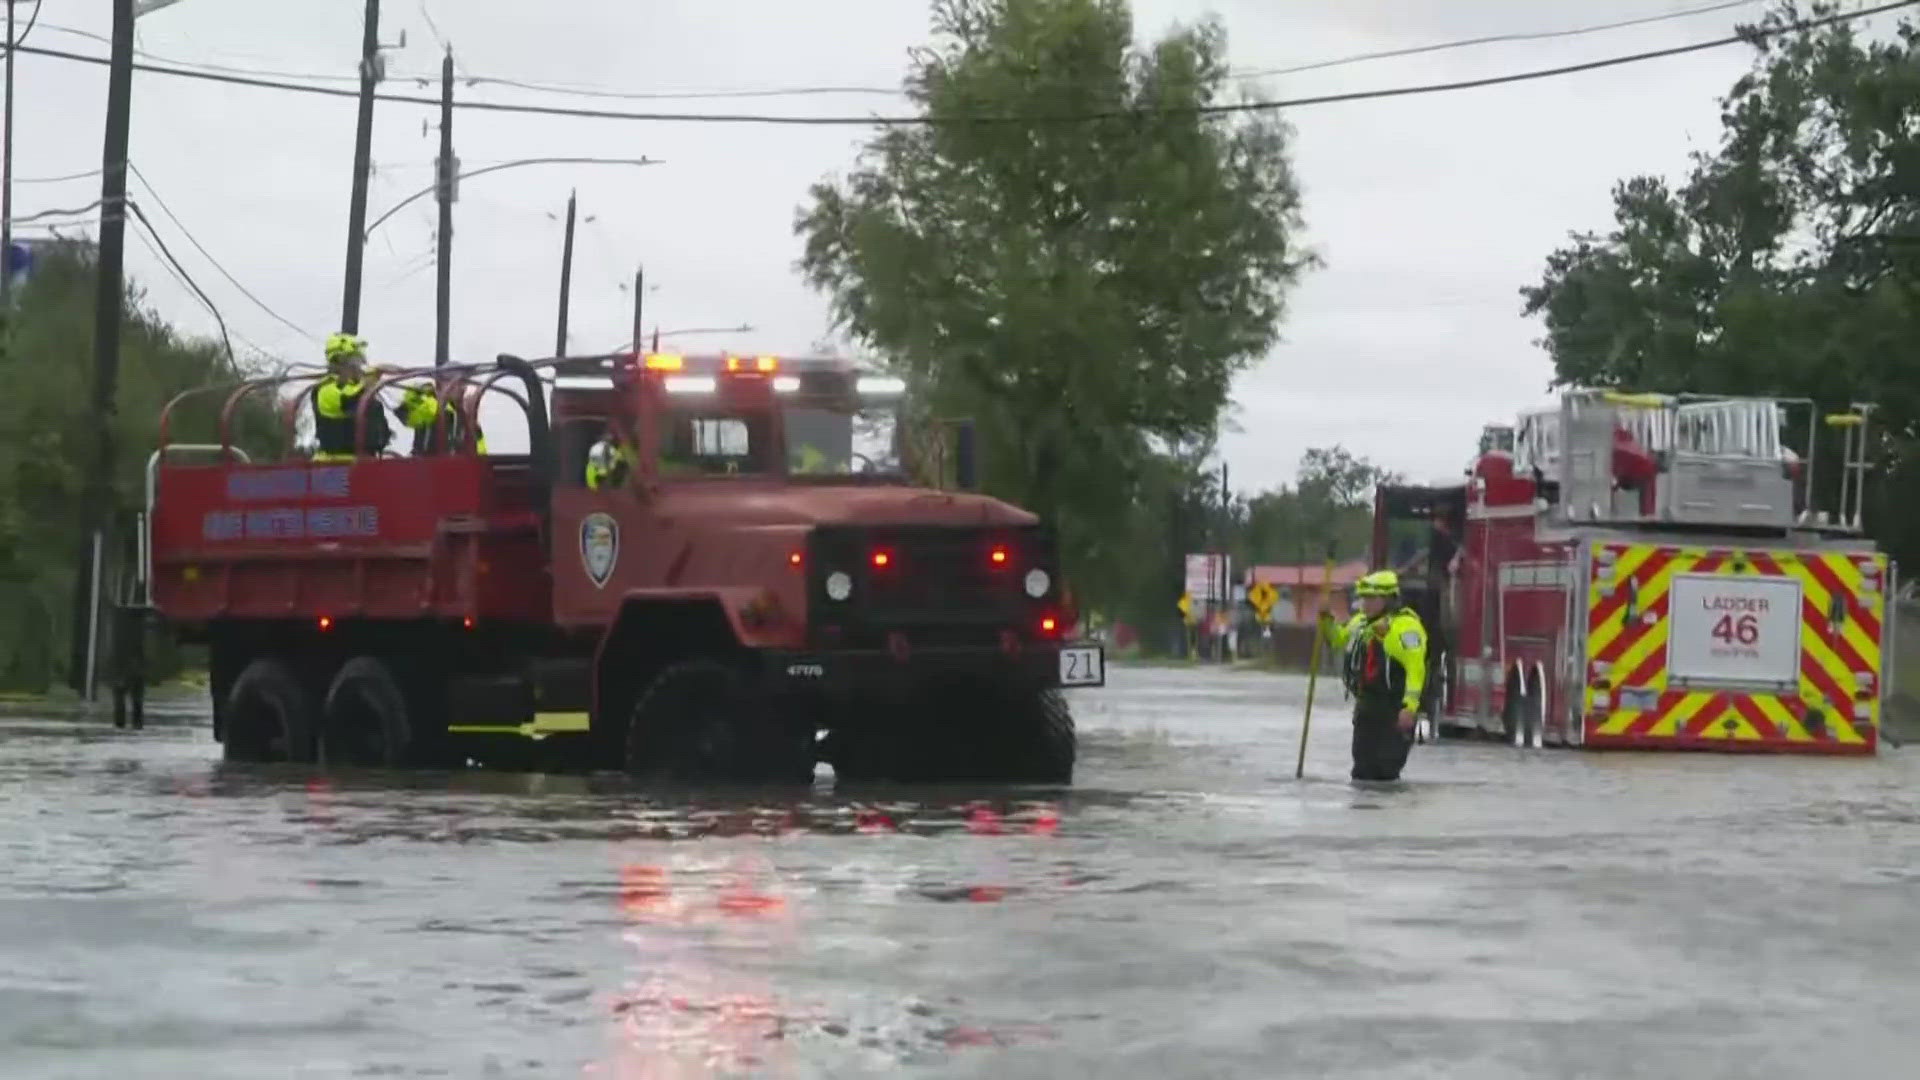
<point x="1204" y="577"/>
<point x="1734" y="629"/>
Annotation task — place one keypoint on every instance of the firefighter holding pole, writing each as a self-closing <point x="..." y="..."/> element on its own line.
<point x="1385" y="669"/>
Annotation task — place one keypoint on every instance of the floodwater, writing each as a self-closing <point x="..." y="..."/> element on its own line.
<point x="1189" y="909"/>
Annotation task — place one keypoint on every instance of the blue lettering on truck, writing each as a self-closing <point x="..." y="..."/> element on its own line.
<point x="291" y="522"/>
<point x="261" y="485"/>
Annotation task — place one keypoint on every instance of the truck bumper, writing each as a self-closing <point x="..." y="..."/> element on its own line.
<point x="1042" y="667"/>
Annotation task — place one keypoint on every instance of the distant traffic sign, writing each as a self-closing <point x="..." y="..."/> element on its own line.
<point x="1263" y="596"/>
<point x="1186" y="607"/>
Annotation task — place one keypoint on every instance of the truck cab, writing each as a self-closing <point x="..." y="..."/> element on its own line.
<point x="746" y="593"/>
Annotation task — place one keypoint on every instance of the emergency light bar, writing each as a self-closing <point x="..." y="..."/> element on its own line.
<point x="828" y="379"/>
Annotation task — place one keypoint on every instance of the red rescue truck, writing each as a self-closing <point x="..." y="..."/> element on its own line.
<point x="1639" y="571"/>
<point x="716" y="615"/>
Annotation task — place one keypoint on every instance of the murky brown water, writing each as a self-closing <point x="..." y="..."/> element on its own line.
<point x="1188" y="910"/>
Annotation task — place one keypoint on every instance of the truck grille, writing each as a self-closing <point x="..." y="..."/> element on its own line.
<point x="930" y="576"/>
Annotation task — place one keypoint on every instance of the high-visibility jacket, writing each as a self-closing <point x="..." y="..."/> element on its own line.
<point x="418" y="408"/>
<point x="336" y="402"/>
<point x="608" y="465"/>
<point x="1385" y="657"/>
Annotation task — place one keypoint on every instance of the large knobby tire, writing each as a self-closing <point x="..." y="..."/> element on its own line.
<point x="696" y="723"/>
<point x="366" y="722"/>
<point x="268" y="716"/>
<point x="967" y="733"/>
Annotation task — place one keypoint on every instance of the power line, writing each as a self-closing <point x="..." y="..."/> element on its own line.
<point x="585" y="91"/>
<point x="188" y="233"/>
<point x="57" y="179"/>
<point x="1497" y="39"/>
<point x="76" y="212"/>
<point x="32" y="21"/>
<point x="1011" y="118"/>
<point x="167" y="256"/>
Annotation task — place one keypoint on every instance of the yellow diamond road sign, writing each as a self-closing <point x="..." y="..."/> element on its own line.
<point x="1186" y="606"/>
<point x="1263" y="596"/>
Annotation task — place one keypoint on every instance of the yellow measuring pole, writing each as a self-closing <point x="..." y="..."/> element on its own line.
<point x="1313" y="670"/>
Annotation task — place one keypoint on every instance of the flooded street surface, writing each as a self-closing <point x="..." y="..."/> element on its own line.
<point x="1187" y="910"/>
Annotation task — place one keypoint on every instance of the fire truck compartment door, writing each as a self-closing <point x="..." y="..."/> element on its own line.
<point x="1737" y="630"/>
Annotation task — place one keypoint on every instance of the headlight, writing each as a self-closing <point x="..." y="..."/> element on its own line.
<point x="1038" y="583"/>
<point x="839" y="585"/>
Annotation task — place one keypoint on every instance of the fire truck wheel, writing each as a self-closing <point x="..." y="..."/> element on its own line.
<point x="696" y="723"/>
<point x="1525" y="718"/>
<point x="269" y="716"/>
<point x="365" y="720"/>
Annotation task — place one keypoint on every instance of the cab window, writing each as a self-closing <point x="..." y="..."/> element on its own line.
<point x="708" y="444"/>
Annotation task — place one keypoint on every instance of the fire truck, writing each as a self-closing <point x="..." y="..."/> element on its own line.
<point x="1642" y="571"/>
<point x="717" y="616"/>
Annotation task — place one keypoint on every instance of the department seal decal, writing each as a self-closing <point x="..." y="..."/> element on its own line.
<point x="599" y="547"/>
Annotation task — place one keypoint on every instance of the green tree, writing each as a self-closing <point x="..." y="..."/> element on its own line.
<point x="1085" y="290"/>
<point x="47" y="441"/>
<point x="1786" y="263"/>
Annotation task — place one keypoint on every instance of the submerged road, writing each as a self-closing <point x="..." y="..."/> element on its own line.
<point x="1187" y="910"/>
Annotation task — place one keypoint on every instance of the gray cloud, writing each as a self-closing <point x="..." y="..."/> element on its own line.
<point x="1431" y="212"/>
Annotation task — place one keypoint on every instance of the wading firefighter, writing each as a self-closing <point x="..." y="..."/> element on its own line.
<point x="1385" y="669"/>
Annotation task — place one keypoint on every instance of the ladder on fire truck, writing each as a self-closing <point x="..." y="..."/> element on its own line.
<point x="1716" y="461"/>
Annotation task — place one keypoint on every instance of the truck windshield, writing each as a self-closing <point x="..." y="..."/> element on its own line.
<point x="827" y="442"/>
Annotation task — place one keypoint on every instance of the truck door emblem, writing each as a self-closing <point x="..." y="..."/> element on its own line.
<point x="599" y="547"/>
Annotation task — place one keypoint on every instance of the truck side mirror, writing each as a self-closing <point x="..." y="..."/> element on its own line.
<point x="963" y="456"/>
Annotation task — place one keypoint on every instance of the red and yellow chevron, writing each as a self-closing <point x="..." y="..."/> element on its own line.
<point x="1628" y="701"/>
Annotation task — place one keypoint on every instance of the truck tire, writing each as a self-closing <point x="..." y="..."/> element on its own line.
<point x="695" y="723"/>
<point x="269" y="716"/>
<point x="997" y="737"/>
<point x="365" y="721"/>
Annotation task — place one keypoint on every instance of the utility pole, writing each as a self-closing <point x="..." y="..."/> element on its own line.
<point x="97" y="500"/>
<point x="6" y="175"/>
<point x="566" y="278"/>
<point x="449" y="168"/>
<point x="639" y="304"/>
<point x="362" y="162"/>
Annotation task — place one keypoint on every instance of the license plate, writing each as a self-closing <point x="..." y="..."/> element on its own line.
<point x="1083" y="666"/>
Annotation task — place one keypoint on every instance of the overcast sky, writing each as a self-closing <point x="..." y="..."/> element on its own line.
<point x="1430" y="211"/>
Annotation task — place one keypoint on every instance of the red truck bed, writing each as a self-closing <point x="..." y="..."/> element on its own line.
<point x="450" y="536"/>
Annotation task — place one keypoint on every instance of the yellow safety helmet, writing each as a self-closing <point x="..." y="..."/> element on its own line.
<point x="1378" y="583"/>
<point x="344" y="347"/>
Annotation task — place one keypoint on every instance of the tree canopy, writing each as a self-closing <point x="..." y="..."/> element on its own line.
<point x="47" y="433"/>
<point x="1084" y="289"/>
<point x="1786" y="262"/>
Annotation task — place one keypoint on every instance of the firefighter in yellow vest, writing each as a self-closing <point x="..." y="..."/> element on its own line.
<point x="610" y="460"/>
<point x="336" y="403"/>
<point x="1385" y="669"/>
<point x="419" y="406"/>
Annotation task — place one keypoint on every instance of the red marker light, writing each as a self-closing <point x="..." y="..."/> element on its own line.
<point x="467" y="622"/>
<point x="793" y="559"/>
<point x="326" y="622"/>
<point x="1048" y="624"/>
<point x="999" y="556"/>
<point x="882" y="559"/>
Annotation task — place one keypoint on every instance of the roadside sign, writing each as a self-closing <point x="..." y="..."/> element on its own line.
<point x="1263" y="596"/>
<point x="1734" y="629"/>
<point x="1186" y="607"/>
<point x="1205" y="576"/>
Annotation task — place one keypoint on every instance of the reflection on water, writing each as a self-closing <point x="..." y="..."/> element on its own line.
<point x="1188" y="909"/>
